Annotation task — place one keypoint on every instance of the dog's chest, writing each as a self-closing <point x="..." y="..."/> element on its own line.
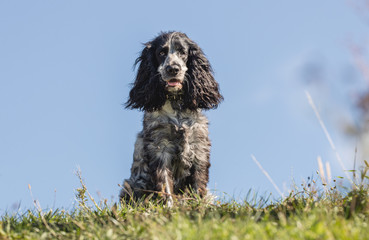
<point x="168" y="118"/>
<point x="175" y="136"/>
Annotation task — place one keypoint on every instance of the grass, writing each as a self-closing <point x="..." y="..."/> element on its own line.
<point x="306" y="213"/>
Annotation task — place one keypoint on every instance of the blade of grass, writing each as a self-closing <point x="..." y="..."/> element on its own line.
<point x="321" y="171"/>
<point x="329" y="175"/>
<point x="311" y="102"/>
<point x="267" y="175"/>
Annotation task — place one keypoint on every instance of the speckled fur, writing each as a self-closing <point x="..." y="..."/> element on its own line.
<point x="172" y="151"/>
<point x="172" y="141"/>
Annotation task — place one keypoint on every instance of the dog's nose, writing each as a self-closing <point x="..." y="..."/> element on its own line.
<point x="172" y="69"/>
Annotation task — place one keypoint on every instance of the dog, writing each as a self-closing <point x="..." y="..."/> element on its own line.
<point x="174" y="83"/>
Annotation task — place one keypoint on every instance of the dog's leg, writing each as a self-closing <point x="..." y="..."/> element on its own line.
<point x="199" y="178"/>
<point x="199" y="154"/>
<point x="140" y="180"/>
<point x="168" y="189"/>
<point x="164" y="184"/>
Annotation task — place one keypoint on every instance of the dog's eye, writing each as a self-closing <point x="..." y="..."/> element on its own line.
<point x="162" y="53"/>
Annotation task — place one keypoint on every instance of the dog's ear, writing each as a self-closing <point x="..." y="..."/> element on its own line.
<point x="201" y="89"/>
<point x="148" y="91"/>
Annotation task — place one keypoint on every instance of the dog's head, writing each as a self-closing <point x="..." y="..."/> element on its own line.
<point x="173" y="64"/>
<point x="172" y="55"/>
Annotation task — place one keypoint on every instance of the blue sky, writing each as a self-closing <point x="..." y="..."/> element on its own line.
<point x="65" y="69"/>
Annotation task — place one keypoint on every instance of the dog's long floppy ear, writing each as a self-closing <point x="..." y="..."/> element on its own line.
<point x="201" y="89"/>
<point x="148" y="91"/>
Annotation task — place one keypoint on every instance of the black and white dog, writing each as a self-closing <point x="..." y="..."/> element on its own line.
<point x="174" y="84"/>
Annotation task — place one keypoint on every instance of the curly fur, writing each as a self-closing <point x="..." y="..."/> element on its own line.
<point x="174" y="83"/>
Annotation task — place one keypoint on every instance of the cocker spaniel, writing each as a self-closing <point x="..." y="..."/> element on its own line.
<point x="174" y="83"/>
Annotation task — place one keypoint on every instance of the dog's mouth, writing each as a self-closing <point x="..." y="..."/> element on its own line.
<point x="174" y="83"/>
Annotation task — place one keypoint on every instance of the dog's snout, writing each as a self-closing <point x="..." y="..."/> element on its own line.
<point x="172" y="70"/>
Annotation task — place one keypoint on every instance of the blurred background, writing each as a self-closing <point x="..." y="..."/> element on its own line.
<point x="66" y="66"/>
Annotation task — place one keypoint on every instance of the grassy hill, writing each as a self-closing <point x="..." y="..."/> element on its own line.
<point x="307" y="213"/>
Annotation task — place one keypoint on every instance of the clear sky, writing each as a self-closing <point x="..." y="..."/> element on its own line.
<point x="65" y="69"/>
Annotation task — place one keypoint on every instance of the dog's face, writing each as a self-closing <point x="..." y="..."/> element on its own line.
<point x="173" y="63"/>
<point x="171" y="55"/>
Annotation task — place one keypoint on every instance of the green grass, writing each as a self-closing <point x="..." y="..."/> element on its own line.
<point x="307" y="213"/>
<point x="293" y="218"/>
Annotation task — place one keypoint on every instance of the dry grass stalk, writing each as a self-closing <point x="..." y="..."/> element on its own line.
<point x="267" y="175"/>
<point x="79" y="175"/>
<point x="338" y="157"/>
<point x="328" y="169"/>
<point x="39" y="209"/>
<point x="321" y="171"/>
